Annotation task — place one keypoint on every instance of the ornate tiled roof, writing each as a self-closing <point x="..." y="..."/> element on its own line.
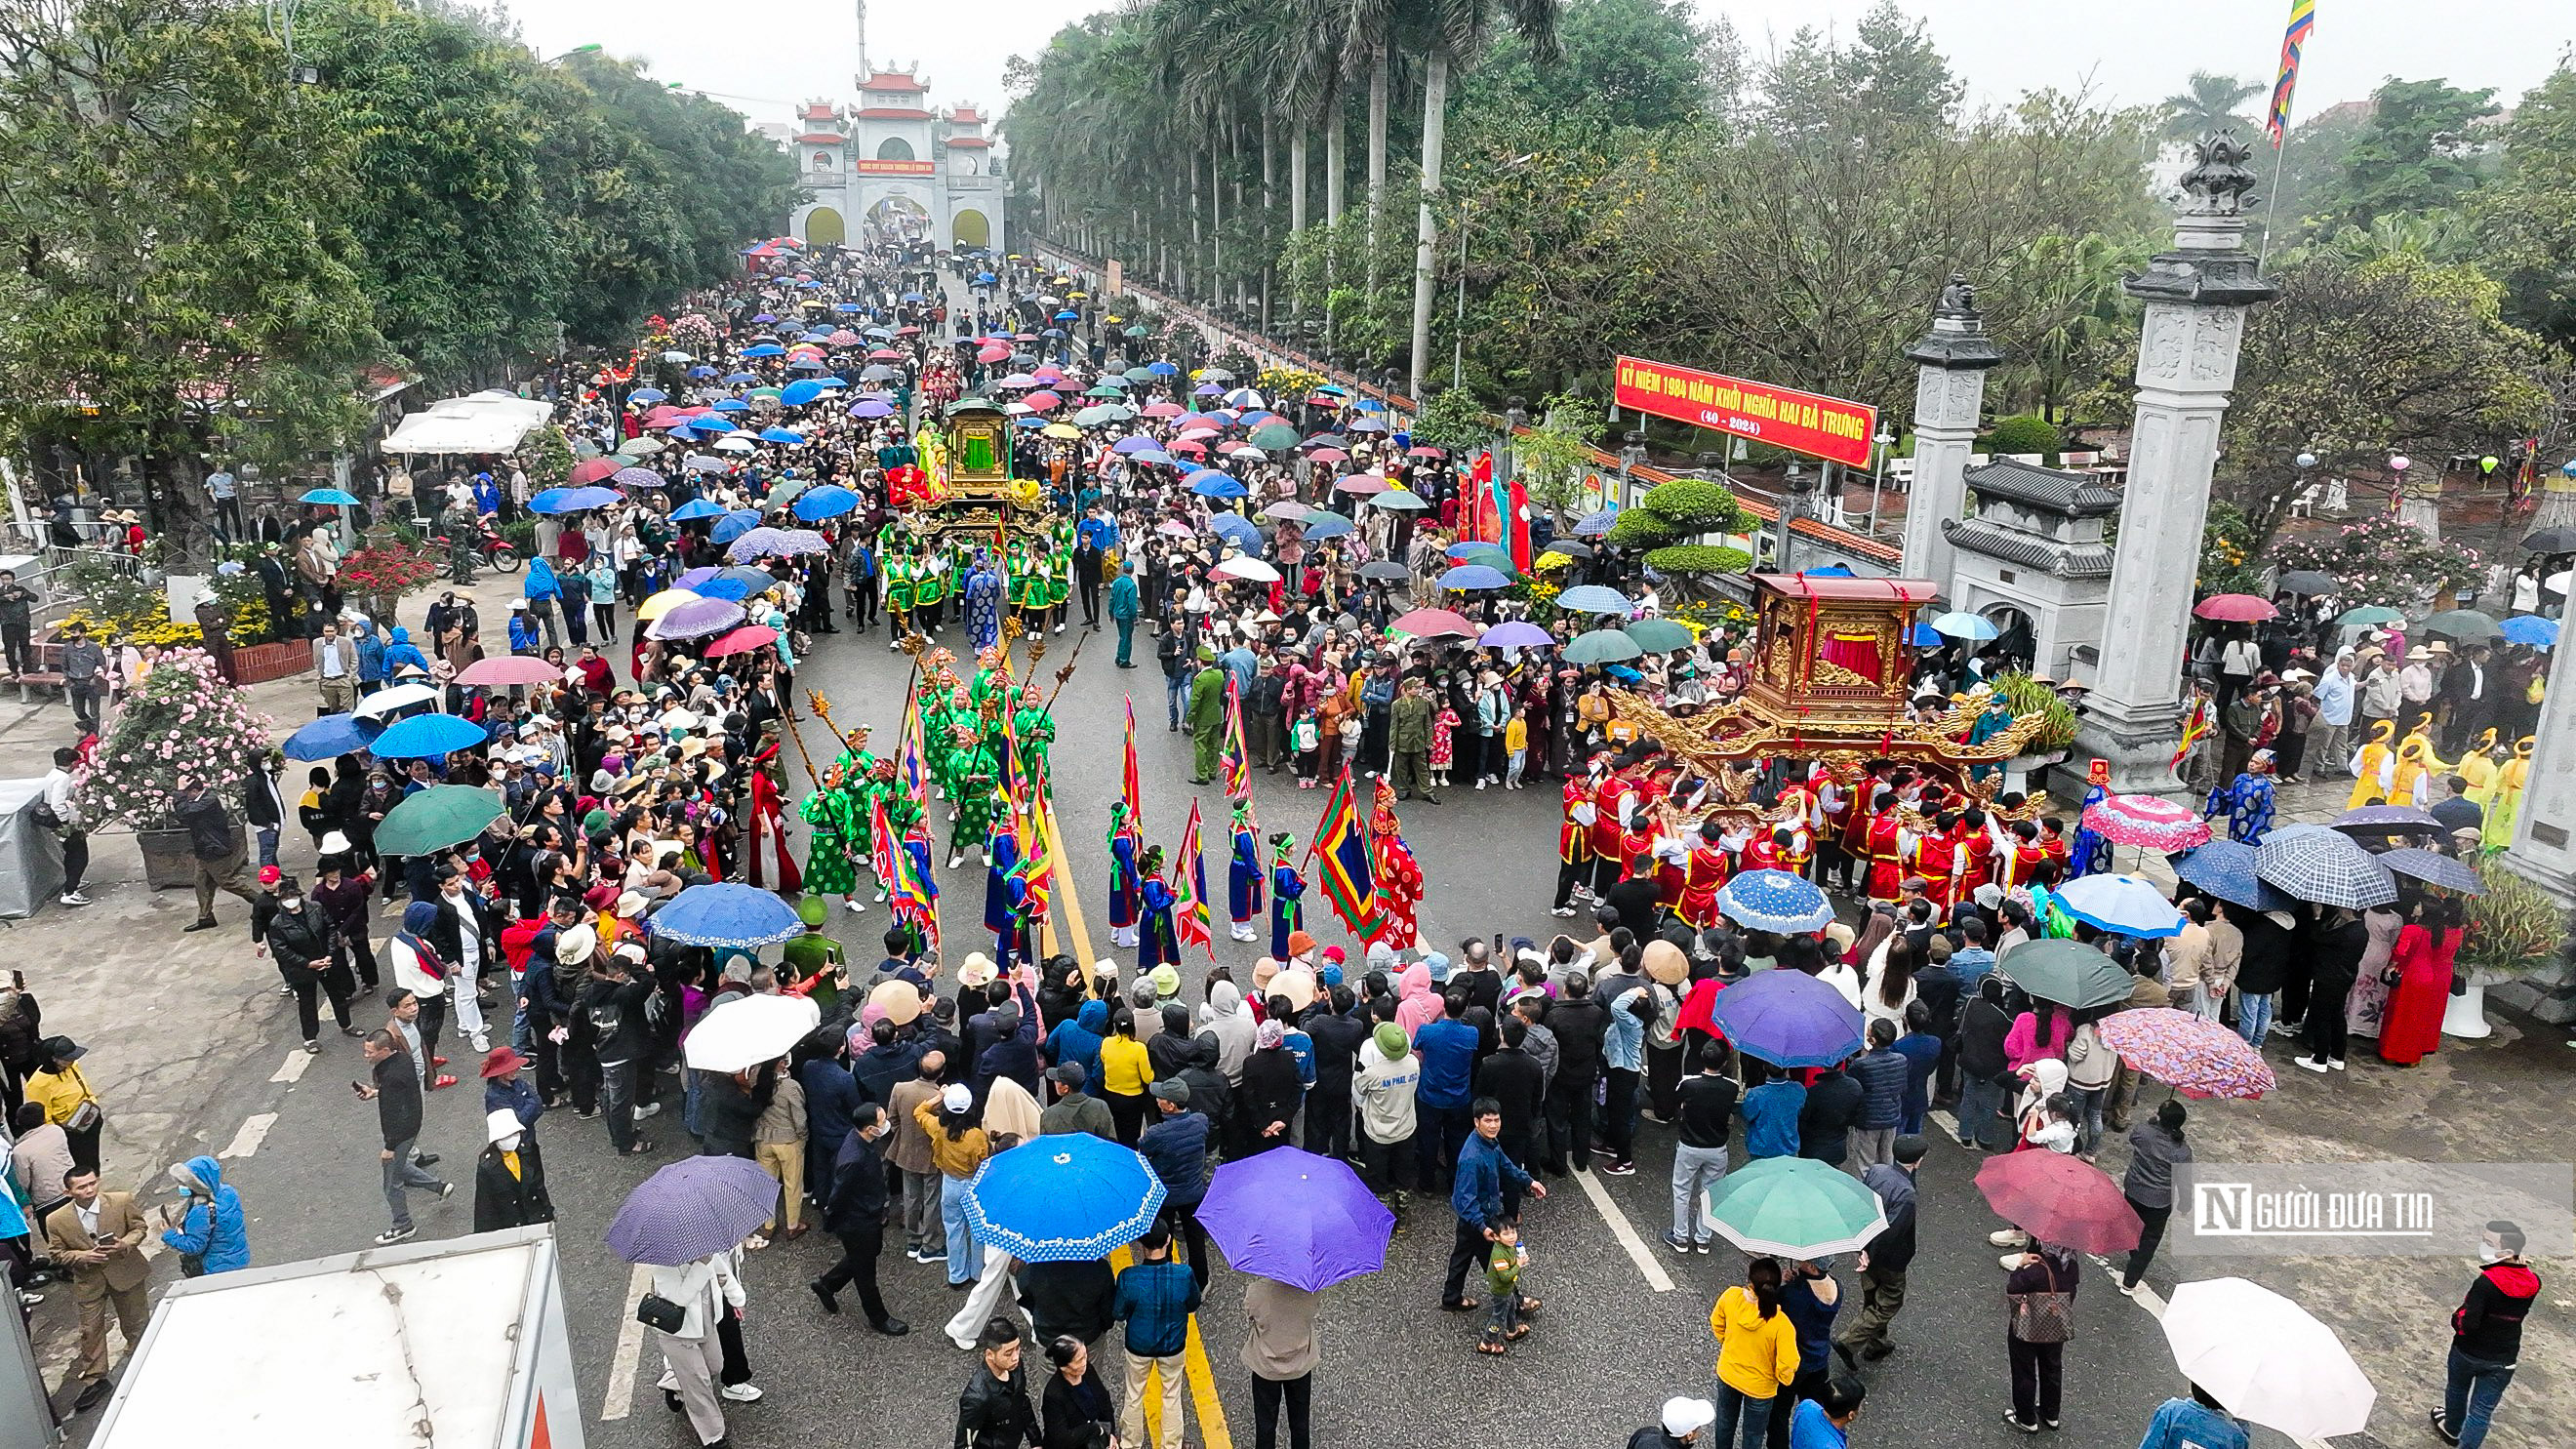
<point x="2016" y="548"/>
<point x="2075" y="495"/>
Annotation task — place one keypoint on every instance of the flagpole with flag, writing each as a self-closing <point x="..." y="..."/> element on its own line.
<point x="1130" y="788"/>
<point x="2276" y="120"/>
<point x="1236" y="760"/>
<point x="1341" y="843"/>
<point x="1191" y="918"/>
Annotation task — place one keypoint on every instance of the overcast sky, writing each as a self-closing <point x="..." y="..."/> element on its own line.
<point x="2137" y="53"/>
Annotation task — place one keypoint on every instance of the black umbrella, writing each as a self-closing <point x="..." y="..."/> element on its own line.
<point x="1385" y="571"/>
<point x="2551" y="540"/>
<point x="2307" y="583"/>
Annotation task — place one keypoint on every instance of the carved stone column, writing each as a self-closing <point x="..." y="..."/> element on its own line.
<point x="1949" y="397"/>
<point x="2197" y="295"/>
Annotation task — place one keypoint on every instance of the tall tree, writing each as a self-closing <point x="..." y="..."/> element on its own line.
<point x="2208" y="102"/>
<point x="2415" y="153"/>
<point x="2527" y="215"/>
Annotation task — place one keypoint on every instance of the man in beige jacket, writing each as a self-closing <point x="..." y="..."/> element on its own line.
<point x="100" y="1236"/>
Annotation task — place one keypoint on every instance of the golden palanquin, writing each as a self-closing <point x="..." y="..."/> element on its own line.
<point x="1829" y="682"/>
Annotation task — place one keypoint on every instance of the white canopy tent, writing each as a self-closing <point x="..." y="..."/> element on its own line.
<point x="483" y="422"/>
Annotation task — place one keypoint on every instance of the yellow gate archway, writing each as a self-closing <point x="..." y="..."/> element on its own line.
<point x="971" y="230"/>
<point x="824" y="228"/>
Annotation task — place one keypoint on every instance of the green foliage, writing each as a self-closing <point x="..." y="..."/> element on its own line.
<point x="1453" y="419"/>
<point x="2414" y="153"/>
<point x="2022" y="434"/>
<point x="2379" y="560"/>
<point x="2209" y="103"/>
<point x="547" y="455"/>
<point x="2227" y="548"/>
<point x="2513" y="929"/>
<point x="1689" y="559"/>
<point x="2029" y="696"/>
<point x="1551" y="455"/>
<point x="1640" y="64"/>
<point x="1640" y="528"/>
<point x="2526" y="215"/>
<point x="1692" y="505"/>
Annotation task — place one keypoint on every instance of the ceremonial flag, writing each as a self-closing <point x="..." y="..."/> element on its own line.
<point x="910" y="771"/>
<point x="882" y="848"/>
<point x="1516" y="525"/>
<point x="1036" y="870"/>
<point x="2526" y="477"/>
<point x="1190" y="915"/>
<point x="1129" y="789"/>
<point x="1342" y="843"/>
<point x="911" y="893"/>
<point x="2303" y="19"/>
<point x="1237" y="760"/>
<point x="2196" y="725"/>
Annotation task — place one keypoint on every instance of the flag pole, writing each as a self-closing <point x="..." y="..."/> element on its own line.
<point x="2272" y="208"/>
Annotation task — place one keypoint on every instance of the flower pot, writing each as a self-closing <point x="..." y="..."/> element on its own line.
<point x="260" y="663"/>
<point x="168" y="863"/>
<point x="2466" y="1015"/>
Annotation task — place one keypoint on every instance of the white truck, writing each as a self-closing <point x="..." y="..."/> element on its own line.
<point x="456" y="1344"/>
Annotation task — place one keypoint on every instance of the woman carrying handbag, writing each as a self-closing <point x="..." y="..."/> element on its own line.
<point x="2040" y="1316"/>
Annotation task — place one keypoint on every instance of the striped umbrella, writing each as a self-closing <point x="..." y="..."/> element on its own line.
<point x="2321" y="865"/>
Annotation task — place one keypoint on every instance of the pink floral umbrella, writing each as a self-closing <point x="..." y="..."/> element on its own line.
<point x="2195" y="1056"/>
<point x="2147" y="822"/>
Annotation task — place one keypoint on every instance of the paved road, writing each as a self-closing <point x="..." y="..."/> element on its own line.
<point x="1626" y="1321"/>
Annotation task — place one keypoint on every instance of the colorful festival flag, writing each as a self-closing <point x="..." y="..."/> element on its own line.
<point x="1035" y="873"/>
<point x="1237" y="760"/>
<point x="2303" y="20"/>
<point x="1342" y="844"/>
<point x="2197" y="722"/>
<point x="1129" y="787"/>
<point x="1191" y="919"/>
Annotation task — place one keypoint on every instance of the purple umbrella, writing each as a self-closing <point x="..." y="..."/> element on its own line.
<point x="690" y="1209"/>
<point x="871" y="409"/>
<point x="1297" y="1218"/>
<point x="638" y="478"/>
<point x="1787" y="1018"/>
<point x="696" y="619"/>
<point x="777" y="543"/>
<point x="1515" y="634"/>
<point x="695" y="577"/>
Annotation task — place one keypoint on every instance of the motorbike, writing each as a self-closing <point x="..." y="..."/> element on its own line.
<point x="490" y="549"/>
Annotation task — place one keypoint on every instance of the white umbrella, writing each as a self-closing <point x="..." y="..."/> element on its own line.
<point x="1247" y="568"/>
<point x="2266" y="1359"/>
<point x="401" y="696"/>
<point x="2121" y="903"/>
<point x="745" y="1031"/>
<point x="734" y="443"/>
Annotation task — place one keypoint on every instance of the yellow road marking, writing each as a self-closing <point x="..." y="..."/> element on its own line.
<point x="1065" y="895"/>
<point x="1202" y="1377"/>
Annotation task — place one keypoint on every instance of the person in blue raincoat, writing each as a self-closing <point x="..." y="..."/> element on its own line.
<point x="1157" y="942"/>
<point x="1287" y="895"/>
<point x="487" y="495"/>
<point x="400" y="651"/>
<point x="1243" y="896"/>
<point x="207" y="1226"/>
<point x="545" y="599"/>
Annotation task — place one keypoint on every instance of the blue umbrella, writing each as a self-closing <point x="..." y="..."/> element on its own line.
<point x="334" y="497"/>
<point x="736" y="379"/>
<point x="819" y="334"/>
<point x="1154" y="456"/>
<point x="2121" y="904"/>
<point x="1925" y="637"/>
<point x="734" y="525"/>
<point x="1594" y="599"/>
<point x="800" y="392"/>
<point x="914" y="297"/>
<point x="764" y="349"/>
<point x="647" y="395"/>
<point x="330" y="737"/>
<point x="2530" y="629"/>
<point x="710" y="423"/>
<point x="1238" y="530"/>
<point x="807" y="364"/>
<point x="726" y="915"/>
<point x="1068" y="315"/>
<point x="633" y="477"/>
<point x="1788" y="1018"/>
<point x="1474" y="576"/>
<point x="1067" y="1198"/>
<point x="734" y="590"/>
<point x="1329" y="525"/>
<point x="781" y="435"/>
<point x="1829" y="571"/>
<point x="1960" y="624"/>
<point x="696" y="1207"/>
<point x="572" y="500"/>
<point x="1776" y="901"/>
<point x="702" y="372"/>
<point x="695" y="508"/>
<point x="1209" y="483"/>
<point x="1163" y="369"/>
<point x="428" y="735"/>
<point x="2227" y="869"/>
<point x="829" y="501"/>
<point x="985" y="279"/>
<point x="1514" y="634"/>
<point x="730" y="405"/>
<point x="846" y="307"/>
<point x="1593" y="525"/>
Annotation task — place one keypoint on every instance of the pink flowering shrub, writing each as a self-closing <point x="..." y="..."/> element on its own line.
<point x="183" y="725"/>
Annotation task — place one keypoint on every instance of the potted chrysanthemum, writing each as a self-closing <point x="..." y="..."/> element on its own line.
<point x="180" y="725"/>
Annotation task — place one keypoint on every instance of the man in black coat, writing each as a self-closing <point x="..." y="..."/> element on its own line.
<point x="1834" y="1102"/>
<point x="1515" y="1080"/>
<point x="1638" y="899"/>
<point x="510" y="1177"/>
<point x="854" y="1212"/>
<point x="1579" y="1021"/>
<point x="2341" y="942"/>
<point x="1336" y="1032"/>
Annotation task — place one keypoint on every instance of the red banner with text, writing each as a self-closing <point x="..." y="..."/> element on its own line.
<point x="1802" y="422"/>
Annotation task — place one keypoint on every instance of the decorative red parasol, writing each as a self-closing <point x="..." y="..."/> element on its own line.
<point x="2148" y="822"/>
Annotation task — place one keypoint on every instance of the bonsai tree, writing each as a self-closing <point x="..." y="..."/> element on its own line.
<point x="181" y="726"/>
<point x="2024" y="433"/>
<point x="1674" y="512"/>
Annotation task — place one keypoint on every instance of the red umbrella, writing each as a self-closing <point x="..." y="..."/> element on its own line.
<point x="907" y="332"/>
<point x="2148" y="822"/>
<point x="1424" y="451"/>
<point x="1043" y="401"/>
<point x="1361" y="484"/>
<point x="2060" y="1199"/>
<point x="1186" y="445"/>
<point x="1162" y="410"/>
<point x="498" y="669"/>
<point x="1433" y="623"/>
<point x="991" y="352"/>
<point x="885" y="354"/>
<point x="2236" y="609"/>
<point x="742" y="640"/>
<point x="1329" y="455"/>
<point x="591" y="470"/>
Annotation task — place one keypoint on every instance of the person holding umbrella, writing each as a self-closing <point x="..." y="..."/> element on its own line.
<point x="2041" y="1298"/>
<point x="1882" y="1264"/>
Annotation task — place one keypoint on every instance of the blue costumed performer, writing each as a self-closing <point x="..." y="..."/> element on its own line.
<point x="1126" y="898"/>
<point x="2246" y="800"/>
<point x="1287" y="894"/>
<point x="1243" y="874"/>
<point x="1158" y="942"/>
<point x="983" y="604"/>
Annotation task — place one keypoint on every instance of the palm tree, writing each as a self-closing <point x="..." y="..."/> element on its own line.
<point x="2209" y="103"/>
<point x="1458" y="30"/>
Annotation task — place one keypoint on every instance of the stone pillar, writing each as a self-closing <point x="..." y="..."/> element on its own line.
<point x="1949" y="397"/>
<point x="2196" y="296"/>
<point x="2544" y="822"/>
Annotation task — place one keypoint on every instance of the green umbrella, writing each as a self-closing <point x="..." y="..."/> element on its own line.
<point x="1105" y="390"/>
<point x="767" y="392"/>
<point x="1492" y="556"/>
<point x="1655" y="636"/>
<point x="639" y="447"/>
<point x="436" y="818"/>
<point x="1274" y="436"/>
<point x="1795" y="1207"/>
<point x="785" y="493"/>
<point x="2069" y="973"/>
<point x="1140" y="374"/>
<point x="1140" y="330"/>
<point x="2372" y="614"/>
<point x="2464" y="624"/>
<point x="1601" y="646"/>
